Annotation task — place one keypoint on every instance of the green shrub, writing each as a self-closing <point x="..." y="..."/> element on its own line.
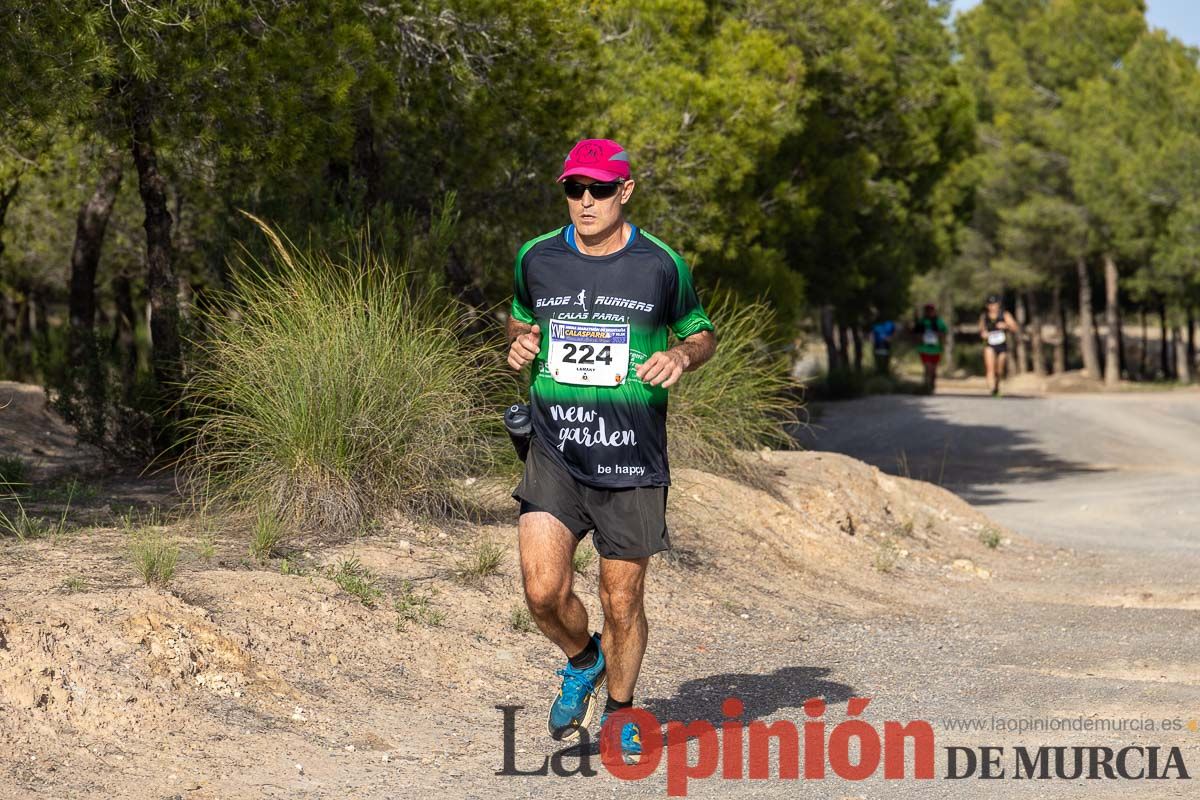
<point x="483" y="561"/>
<point x="13" y="470"/>
<point x="331" y="389"/>
<point x="154" y="557"/>
<point x="412" y="606"/>
<point x="521" y="621"/>
<point x="353" y="578"/>
<point x="740" y="400"/>
<point x="582" y="559"/>
<point x="990" y="537"/>
<point x="267" y="536"/>
<point x="841" y="383"/>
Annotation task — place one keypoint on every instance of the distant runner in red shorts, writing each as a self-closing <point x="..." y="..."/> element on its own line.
<point x="931" y="334"/>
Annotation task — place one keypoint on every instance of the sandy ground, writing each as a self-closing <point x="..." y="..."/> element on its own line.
<point x="241" y="681"/>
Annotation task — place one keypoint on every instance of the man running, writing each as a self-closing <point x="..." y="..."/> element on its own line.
<point x="593" y="305"/>
<point x="881" y="340"/>
<point x="931" y="335"/>
<point x="994" y="326"/>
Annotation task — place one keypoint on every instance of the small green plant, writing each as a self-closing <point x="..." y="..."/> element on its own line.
<point x="886" y="556"/>
<point x="266" y="537"/>
<point x="20" y="524"/>
<point x="206" y="547"/>
<point x="353" y="578"/>
<point x="414" y="607"/>
<point x="12" y="470"/>
<point x="74" y="584"/>
<point x="65" y="491"/>
<point x="521" y="620"/>
<point x="286" y="567"/>
<point x="990" y="537"/>
<point x="483" y="561"/>
<point x="906" y="528"/>
<point x="582" y="559"/>
<point x="154" y="556"/>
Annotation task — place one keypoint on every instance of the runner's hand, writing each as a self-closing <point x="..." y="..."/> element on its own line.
<point x="663" y="368"/>
<point x="525" y="348"/>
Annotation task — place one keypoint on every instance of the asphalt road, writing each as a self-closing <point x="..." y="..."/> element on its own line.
<point x="1090" y="638"/>
<point x="1112" y="472"/>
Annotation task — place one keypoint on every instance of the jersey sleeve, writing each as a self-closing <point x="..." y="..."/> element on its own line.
<point x="941" y="323"/>
<point x="522" y="310"/>
<point x="687" y="315"/>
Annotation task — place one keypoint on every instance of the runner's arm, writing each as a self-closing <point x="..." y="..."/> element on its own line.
<point x="666" y="366"/>
<point x="524" y="342"/>
<point x="1012" y="323"/>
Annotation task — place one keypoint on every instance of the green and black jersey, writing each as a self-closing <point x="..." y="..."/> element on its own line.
<point x="609" y="436"/>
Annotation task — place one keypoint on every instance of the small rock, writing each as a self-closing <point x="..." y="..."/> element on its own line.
<point x="333" y="659"/>
<point x="386" y="758"/>
<point x="744" y="616"/>
<point x="300" y="768"/>
<point x="349" y="748"/>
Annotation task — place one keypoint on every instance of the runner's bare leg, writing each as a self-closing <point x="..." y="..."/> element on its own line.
<point x="546" y="548"/>
<point x="622" y="587"/>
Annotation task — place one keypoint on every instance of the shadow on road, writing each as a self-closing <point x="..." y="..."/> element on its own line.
<point x="915" y="438"/>
<point x="762" y="695"/>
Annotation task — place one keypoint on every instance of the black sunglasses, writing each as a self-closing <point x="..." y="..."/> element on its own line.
<point x="600" y="191"/>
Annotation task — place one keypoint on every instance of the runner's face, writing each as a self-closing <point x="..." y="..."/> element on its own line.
<point x="993" y="309"/>
<point x="592" y="216"/>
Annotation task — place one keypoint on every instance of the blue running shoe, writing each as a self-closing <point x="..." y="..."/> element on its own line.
<point x="576" y="701"/>
<point x="631" y="740"/>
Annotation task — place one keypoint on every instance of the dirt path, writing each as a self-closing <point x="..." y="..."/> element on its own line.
<point x="250" y="681"/>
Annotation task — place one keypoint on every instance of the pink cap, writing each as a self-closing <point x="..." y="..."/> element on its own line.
<point x="602" y="159"/>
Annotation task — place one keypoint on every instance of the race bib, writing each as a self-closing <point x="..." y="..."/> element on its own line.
<point x="588" y="353"/>
<point x="996" y="337"/>
<point x="930" y="337"/>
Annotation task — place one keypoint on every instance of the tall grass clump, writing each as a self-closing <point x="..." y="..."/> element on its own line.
<point x="154" y="556"/>
<point x="333" y="388"/>
<point x="741" y="400"/>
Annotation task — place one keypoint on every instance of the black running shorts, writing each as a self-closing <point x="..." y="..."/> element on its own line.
<point x="628" y="523"/>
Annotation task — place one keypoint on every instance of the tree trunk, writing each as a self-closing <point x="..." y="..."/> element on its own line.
<point x="1023" y="323"/>
<point x="827" y="333"/>
<point x="843" y="345"/>
<point x="7" y="194"/>
<point x="1183" y="368"/>
<point x="856" y="334"/>
<point x="366" y="162"/>
<point x="125" y="333"/>
<point x="41" y="317"/>
<point x="1122" y="365"/>
<point x="1164" y="359"/>
<point x="90" y="226"/>
<point x="948" y="349"/>
<point x="1035" y="335"/>
<point x="24" y="338"/>
<point x="1191" y="340"/>
<point x="1060" y="320"/>
<point x="1112" y="339"/>
<point x="160" y="275"/>
<point x="1144" y="358"/>
<point x="1087" y="336"/>
<point x="8" y="335"/>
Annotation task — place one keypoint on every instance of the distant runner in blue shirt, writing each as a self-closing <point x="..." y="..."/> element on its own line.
<point x="881" y="337"/>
